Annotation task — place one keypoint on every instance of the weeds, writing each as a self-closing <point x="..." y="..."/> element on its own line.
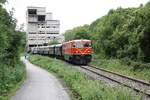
<point x="81" y="86"/>
<point x="134" y="69"/>
<point x="11" y="80"/>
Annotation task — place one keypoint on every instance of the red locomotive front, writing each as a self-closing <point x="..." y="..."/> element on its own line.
<point x="77" y="51"/>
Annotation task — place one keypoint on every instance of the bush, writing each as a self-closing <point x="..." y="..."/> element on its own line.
<point x="10" y="78"/>
<point x="11" y="69"/>
<point x="81" y="86"/>
<point x="140" y="66"/>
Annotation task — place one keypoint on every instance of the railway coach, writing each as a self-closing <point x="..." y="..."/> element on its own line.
<point x="75" y="51"/>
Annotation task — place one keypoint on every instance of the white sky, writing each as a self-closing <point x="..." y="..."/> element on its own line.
<point x="71" y="13"/>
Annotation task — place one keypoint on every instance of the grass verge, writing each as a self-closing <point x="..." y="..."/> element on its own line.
<point x="14" y="77"/>
<point x="133" y="69"/>
<point x="81" y="86"/>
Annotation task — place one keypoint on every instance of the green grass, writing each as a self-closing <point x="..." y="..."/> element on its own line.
<point x="13" y="79"/>
<point x="80" y="85"/>
<point x="118" y="66"/>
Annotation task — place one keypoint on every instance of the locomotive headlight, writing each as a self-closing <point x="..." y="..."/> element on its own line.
<point x="88" y="51"/>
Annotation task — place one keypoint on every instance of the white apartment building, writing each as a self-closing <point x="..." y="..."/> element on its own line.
<point x="41" y="28"/>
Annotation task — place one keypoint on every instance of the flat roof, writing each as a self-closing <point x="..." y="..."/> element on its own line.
<point x="35" y="7"/>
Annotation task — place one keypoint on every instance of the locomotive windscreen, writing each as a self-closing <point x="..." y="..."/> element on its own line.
<point x="81" y="44"/>
<point x="78" y="45"/>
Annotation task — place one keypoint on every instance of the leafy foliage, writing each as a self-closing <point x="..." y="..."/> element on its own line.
<point x="53" y="42"/>
<point x="77" y="33"/>
<point x="11" y="70"/>
<point x="122" y="33"/>
<point x="2" y="1"/>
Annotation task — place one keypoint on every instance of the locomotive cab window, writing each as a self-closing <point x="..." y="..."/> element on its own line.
<point x="86" y="45"/>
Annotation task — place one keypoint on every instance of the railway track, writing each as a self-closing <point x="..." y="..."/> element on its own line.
<point x="135" y="84"/>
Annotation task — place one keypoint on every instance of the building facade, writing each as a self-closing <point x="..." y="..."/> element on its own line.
<point x="41" y="28"/>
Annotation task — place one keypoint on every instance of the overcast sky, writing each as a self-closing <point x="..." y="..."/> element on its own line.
<point x="71" y="13"/>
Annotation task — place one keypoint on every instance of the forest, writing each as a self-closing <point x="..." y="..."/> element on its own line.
<point x="124" y="33"/>
<point x="11" y="44"/>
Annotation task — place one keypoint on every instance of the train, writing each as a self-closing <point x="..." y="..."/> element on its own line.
<point x="74" y="51"/>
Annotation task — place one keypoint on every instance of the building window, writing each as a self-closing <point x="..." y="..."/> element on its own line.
<point x="32" y="11"/>
<point x="47" y="26"/>
<point x="52" y="33"/>
<point x="41" y="33"/>
<point x="31" y="39"/>
<point x="38" y="25"/>
<point x="41" y="17"/>
<point x="43" y="26"/>
<point x="32" y="32"/>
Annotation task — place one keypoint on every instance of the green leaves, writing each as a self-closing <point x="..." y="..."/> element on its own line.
<point x="81" y="32"/>
<point x="119" y="34"/>
<point x="11" y="71"/>
<point x="53" y="42"/>
<point x="2" y="1"/>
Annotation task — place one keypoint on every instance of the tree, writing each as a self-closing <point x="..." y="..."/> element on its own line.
<point x="10" y="44"/>
<point x="77" y="33"/>
<point x="122" y="33"/>
<point x="53" y="42"/>
<point x="2" y="1"/>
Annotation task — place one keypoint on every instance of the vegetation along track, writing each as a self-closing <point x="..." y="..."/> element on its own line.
<point x="135" y="84"/>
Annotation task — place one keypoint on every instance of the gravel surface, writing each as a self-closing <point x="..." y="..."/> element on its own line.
<point x="40" y="85"/>
<point x="124" y="80"/>
<point x="104" y="80"/>
<point x="97" y="77"/>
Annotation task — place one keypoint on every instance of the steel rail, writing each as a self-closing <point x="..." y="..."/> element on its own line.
<point x="124" y="76"/>
<point x="114" y="80"/>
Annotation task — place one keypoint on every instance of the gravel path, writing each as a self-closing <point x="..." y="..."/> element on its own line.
<point x="40" y="85"/>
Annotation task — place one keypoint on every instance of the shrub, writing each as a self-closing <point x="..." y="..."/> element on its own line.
<point x="81" y="86"/>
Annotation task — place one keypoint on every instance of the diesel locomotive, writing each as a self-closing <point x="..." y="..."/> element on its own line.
<point x="75" y="51"/>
